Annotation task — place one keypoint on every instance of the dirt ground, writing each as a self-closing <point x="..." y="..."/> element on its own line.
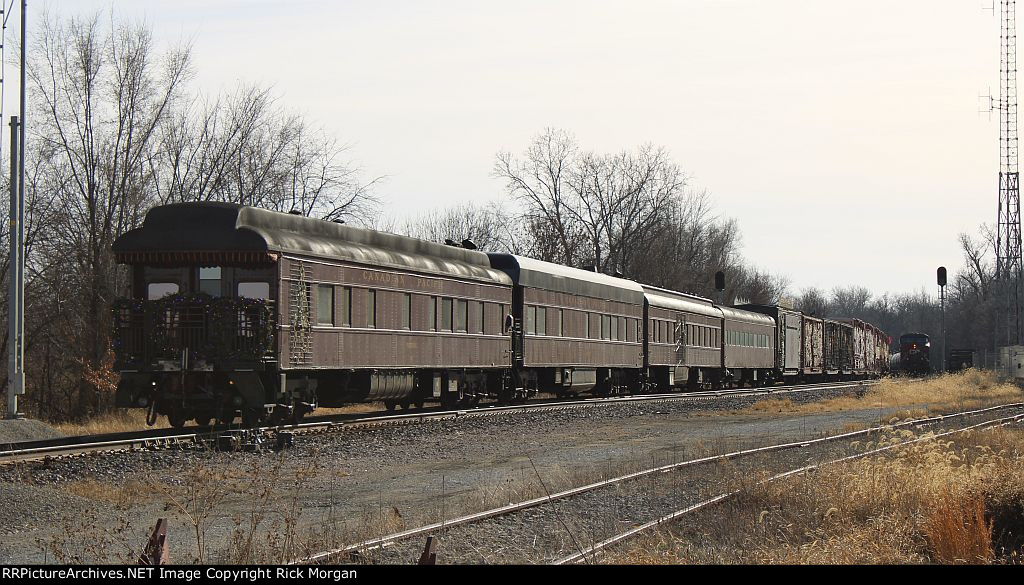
<point x="333" y="489"/>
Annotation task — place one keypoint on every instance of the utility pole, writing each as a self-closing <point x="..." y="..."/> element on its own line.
<point x="15" y="365"/>
<point x="16" y="267"/>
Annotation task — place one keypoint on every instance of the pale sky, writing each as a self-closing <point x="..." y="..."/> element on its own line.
<point x="845" y="137"/>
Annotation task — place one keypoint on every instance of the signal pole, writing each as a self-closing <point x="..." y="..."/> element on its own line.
<point x="941" y="278"/>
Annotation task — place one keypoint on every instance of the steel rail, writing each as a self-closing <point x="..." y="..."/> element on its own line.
<point x="600" y="546"/>
<point x="162" y="437"/>
<point x="390" y="539"/>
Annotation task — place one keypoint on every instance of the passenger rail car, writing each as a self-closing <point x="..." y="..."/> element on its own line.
<point x="682" y="340"/>
<point x="574" y="330"/>
<point x="239" y="311"/>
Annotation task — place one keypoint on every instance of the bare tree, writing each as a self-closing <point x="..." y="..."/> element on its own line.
<point x="489" y="227"/>
<point x="540" y="180"/>
<point x="245" y="149"/>
<point x="114" y="130"/>
<point x="99" y="96"/>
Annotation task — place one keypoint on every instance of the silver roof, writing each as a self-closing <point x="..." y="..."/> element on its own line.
<point x="747" y="316"/>
<point x="555" y="277"/>
<point x="211" y="227"/>
<point x="669" y="299"/>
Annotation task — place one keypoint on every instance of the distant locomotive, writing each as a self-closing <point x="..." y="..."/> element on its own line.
<point x="239" y="311"/>
<point x="914" y="357"/>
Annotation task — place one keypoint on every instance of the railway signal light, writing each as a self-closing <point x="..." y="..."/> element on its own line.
<point x="940" y="275"/>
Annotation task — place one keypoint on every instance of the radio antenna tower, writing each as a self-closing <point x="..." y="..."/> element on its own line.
<point x="1008" y="253"/>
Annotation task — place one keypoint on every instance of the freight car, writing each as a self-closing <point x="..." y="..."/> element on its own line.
<point x="239" y="311"/>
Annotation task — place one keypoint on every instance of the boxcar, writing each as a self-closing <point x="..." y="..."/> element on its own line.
<point x="239" y="310"/>
<point x="574" y="330"/>
<point x="861" y="346"/>
<point x="682" y="339"/>
<point x="838" y="349"/>
<point x="748" y="347"/>
<point x="812" y="358"/>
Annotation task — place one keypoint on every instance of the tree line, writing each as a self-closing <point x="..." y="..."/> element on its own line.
<point x="115" y="128"/>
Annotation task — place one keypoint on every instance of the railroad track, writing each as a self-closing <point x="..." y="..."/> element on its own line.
<point x="190" y="438"/>
<point x="590" y="553"/>
<point x="597" y="489"/>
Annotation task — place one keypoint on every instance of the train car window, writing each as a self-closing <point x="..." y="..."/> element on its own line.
<point x="325" y="304"/>
<point x="371" y="308"/>
<point x="462" y="315"/>
<point x="614" y="333"/>
<point x="346" y="306"/>
<point x="622" y="329"/>
<point x="542" y="321"/>
<point x="407" y="311"/>
<point x="254" y="290"/>
<point x="606" y="326"/>
<point x="586" y="325"/>
<point x="159" y="290"/>
<point x="209" y="280"/>
<point x="482" y="327"/>
<point x="432" y="314"/>
<point x="531" y="320"/>
<point x="559" y="323"/>
<point x="446" y="315"/>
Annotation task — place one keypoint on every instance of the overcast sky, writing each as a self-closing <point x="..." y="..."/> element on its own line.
<point x="844" y="137"/>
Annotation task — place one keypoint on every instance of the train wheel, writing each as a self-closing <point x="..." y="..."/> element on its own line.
<point x="204" y="421"/>
<point x="176" y="418"/>
<point x="251" y="417"/>
<point x="390" y="405"/>
<point x="406" y="405"/>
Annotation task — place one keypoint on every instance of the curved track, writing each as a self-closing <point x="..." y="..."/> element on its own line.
<point x="551" y="500"/>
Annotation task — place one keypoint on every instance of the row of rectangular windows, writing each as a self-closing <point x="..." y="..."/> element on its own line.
<point x="550" y="321"/>
<point x="444" y="313"/>
<point x="701" y="336"/>
<point x="747" y="339"/>
<point x="662" y="331"/>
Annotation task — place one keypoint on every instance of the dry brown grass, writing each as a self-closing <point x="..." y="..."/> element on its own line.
<point x="114" y="422"/>
<point x="958" y="531"/>
<point x="135" y="420"/>
<point x="357" y="408"/>
<point x="127" y="494"/>
<point x="938" y="501"/>
<point x="962" y="391"/>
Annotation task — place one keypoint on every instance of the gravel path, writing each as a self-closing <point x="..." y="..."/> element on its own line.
<point x="336" y="488"/>
<point x="13" y="431"/>
<point x="550" y="532"/>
